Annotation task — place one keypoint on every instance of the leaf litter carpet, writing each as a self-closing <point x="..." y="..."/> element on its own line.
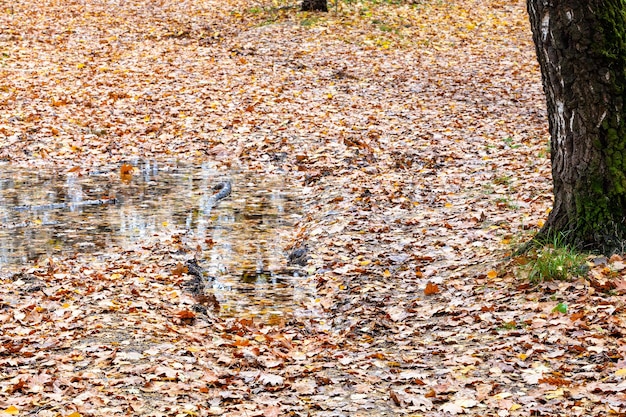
<point x="416" y="134"/>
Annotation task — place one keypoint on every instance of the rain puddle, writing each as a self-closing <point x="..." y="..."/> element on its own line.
<point x="237" y="240"/>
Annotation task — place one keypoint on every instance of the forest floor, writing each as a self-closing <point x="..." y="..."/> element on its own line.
<point x="416" y="134"/>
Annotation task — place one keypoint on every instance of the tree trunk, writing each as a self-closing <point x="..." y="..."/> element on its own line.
<point x="581" y="48"/>
<point x="314" y="5"/>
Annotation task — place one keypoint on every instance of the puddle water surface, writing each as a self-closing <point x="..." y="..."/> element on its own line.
<point x="239" y="240"/>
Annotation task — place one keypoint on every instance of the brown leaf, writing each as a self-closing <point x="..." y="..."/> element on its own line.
<point x="431" y="289"/>
<point x="577" y="316"/>
<point x="553" y="380"/>
<point x="186" y="314"/>
<point x="179" y="269"/>
<point x="394" y="397"/>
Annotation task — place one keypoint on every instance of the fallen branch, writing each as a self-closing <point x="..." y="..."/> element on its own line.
<point x="223" y="190"/>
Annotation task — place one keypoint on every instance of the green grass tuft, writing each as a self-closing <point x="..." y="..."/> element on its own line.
<point x="554" y="261"/>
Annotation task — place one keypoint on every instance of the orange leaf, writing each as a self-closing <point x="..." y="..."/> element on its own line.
<point x="431" y="289"/>
<point x="186" y="314"/>
<point x="126" y="172"/>
<point x="11" y="410"/>
<point x="492" y="274"/>
<point x="553" y="380"/>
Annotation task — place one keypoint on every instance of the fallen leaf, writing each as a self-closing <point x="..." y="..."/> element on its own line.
<point x="431" y="289"/>
<point x="179" y="269"/>
<point x="394" y="397"/>
<point x="271" y="411"/>
<point x="452" y="408"/>
<point x="11" y="410"/>
<point x="270" y="379"/>
<point x="186" y="314"/>
<point x="126" y="173"/>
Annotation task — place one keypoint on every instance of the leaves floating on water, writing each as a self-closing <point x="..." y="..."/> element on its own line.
<point x="126" y="173"/>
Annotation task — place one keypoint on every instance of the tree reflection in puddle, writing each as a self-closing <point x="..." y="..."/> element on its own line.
<point x="239" y="241"/>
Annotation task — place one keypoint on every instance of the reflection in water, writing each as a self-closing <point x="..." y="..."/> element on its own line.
<point x="239" y="241"/>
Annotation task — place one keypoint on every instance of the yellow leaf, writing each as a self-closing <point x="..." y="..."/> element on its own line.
<point x="515" y="407"/>
<point x="74" y="414"/>
<point x="386" y="274"/>
<point x="449" y="205"/>
<point x="80" y="66"/>
<point x="522" y="356"/>
<point x="554" y="394"/>
<point x="12" y="410"/>
<point x="365" y="263"/>
<point x="299" y="356"/>
<point x="541" y="222"/>
<point x="502" y="395"/>
<point x="492" y="274"/>
<point x="620" y="372"/>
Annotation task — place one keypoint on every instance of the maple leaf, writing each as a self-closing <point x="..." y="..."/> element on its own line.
<point x="179" y="269"/>
<point x="126" y="173"/>
<point x="452" y="408"/>
<point x="186" y="316"/>
<point x="272" y="411"/>
<point x="270" y="379"/>
<point x="431" y="289"/>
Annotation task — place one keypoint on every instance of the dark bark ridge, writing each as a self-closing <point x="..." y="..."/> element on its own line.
<point x="581" y="50"/>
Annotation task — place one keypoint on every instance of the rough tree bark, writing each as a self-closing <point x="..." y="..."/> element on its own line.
<point x="314" y="5"/>
<point x="581" y="48"/>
